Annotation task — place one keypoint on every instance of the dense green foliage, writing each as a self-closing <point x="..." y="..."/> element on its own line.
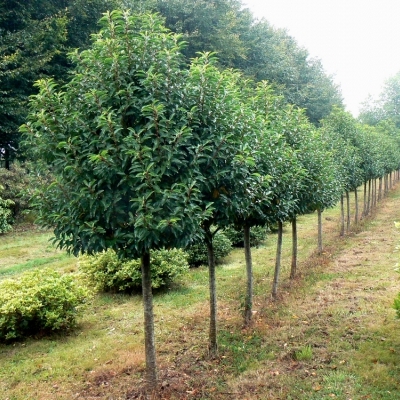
<point x="124" y="157"/>
<point x="197" y="252"/>
<point x="39" y="302"/>
<point x="17" y="186"/>
<point x="35" y="37"/>
<point x="5" y="213"/>
<point x="108" y="273"/>
<point x="257" y="235"/>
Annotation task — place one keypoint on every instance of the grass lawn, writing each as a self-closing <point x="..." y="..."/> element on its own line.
<point x="332" y="333"/>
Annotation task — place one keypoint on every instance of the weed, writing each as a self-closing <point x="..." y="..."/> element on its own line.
<point x="304" y="354"/>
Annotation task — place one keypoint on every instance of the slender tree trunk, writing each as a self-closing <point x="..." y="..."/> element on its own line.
<point x="380" y="189"/>
<point x="356" y="205"/>
<point x="150" y="348"/>
<point x="319" y="231"/>
<point x="386" y="185"/>
<point x="293" y="269"/>
<point x="365" y="199"/>
<point x="369" y="197"/>
<point x="213" y="344"/>
<point x="348" y="211"/>
<point x="372" y="194"/>
<point x="341" y="216"/>
<point x="278" y="260"/>
<point x="7" y="161"/>
<point x="248" y="308"/>
<point x="375" y="192"/>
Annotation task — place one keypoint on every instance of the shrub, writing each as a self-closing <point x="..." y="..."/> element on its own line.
<point x="5" y="214"/>
<point x="40" y="301"/>
<point x="198" y="253"/>
<point x="19" y="183"/>
<point x="15" y="181"/>
<point x="257" y="235"/>
<point x="109" y="273"/>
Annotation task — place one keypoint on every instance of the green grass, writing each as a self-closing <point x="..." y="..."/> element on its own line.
<point x="332" y="334"/>
<point x="38" y="262"/>
<point x="304" y="354"/>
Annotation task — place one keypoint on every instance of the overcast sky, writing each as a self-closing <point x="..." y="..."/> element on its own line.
<point x="358" y="41"/>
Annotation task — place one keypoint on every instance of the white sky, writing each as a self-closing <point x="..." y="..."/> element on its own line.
<point x="358" y="41"/>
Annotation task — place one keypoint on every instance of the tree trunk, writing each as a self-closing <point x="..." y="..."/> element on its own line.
<point x="372" y="194"/>
<point x="319" y="231"/>
<point x="386" y="185"/>
<point x="341" y="216"/>
<point x="150" y="349"/>
<point x="365" y="199"/>
<point x="356" y="205"/>
<point x="380" y="188"/>
<point x="293" y="269"/>
<point x="278" y="260"/>
<point x="248" y="307"/>
<point x="369" y="197"/>
<point x="213" y="344"/>
<point x="348" y="211"/>
<point x="7" y="161"/>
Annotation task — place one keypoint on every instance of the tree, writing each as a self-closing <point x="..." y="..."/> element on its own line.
<point x="281" y="163"/>
<point x="316" y="184"/>
<point x="386" y="106"/>
<point x="275" y="56"/>
<point x="209" y="26"/>
<point x="340" y="133"/>
<point x="219" y="117"/>
<point x="117" y="138"/>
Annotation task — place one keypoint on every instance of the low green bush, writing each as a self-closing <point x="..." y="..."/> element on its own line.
<point x="5" y="214"/>
<point x="198" y="253"/>
<point x="109" y="273"/>
<point x="257" y="235"/>
<point x="40" y="301"/>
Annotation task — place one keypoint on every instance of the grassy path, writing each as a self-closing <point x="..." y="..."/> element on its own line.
<point x="337" y="336"/>
<point x="331" y="334"/>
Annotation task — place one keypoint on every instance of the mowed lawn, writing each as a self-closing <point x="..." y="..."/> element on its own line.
<point x="332" y="333"/>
